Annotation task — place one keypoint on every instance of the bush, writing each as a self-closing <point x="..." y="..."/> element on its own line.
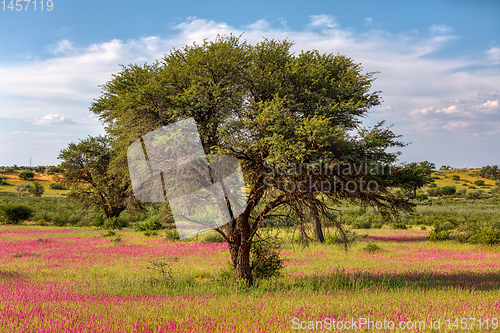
<point x="442" y="235"/>
<point x="362" y="222"/>
<point x="433" y="185"/>
<point x="488" y="236"/>
<point x="57" y="186"/>
<point x="26" y="175"/>
<point x="421" y="197"/>
<point x="377" y="226"/>
<point x="114" y="223"/>
<point x="455" y="177"/>
<point x="150" y="223"/>
<point x="212" y="237"/>
<point x="352" y="237"/>
<point x="372" y="247"/>
<point x="21" y="189"/>
<point x="15" y="213"/>
<point x="479" y="183"/>
<point x="36" y="189"/>
<point x="448" y="190"/>
<point x="171" y="234"/>
<point x="400" y="225"/>
<point x="3" y="180"/>
<point x="265" y="260"/>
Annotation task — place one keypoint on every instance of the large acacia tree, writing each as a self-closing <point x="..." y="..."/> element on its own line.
<point x="271" y="109"/>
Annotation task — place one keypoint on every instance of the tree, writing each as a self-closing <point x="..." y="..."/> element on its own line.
<point x="269" y="108"/>
<point x="36" y="189"/>
<point x="26" y="175"/>
<point x="21" y="189"/>
<point x="14" y="213"/>
<point x="86" y="170"/>
<point x="413" y="176"/>
<point x="490" y="172"/>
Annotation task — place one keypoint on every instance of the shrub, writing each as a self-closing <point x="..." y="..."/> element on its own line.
<point x="377" y="226"/>
<point x="442" y="235"/>
<point x="3" y="180"/>
<point x="15" y="213"/>
<point x="362" y="222"/>
<point x="114" y="223"/>
<point x="352" y="237"/>
<point x="400" y="225"/>
<point x="432" y="185"/>
<point x="479" y="183"/>
<point x="487" y="236"/>
<point x="434" y="192"/>
<point x="57" y="186"/>
<point x="150" y="223"/>
<point x="448" y="190"/>
<point x="171" y="234"/>
<point x="421" y="197"/>
<point x="36" y="189"/>
<point x="455" y="177"/>
<point x="213" y="237"/>
<point x="21" y="189"/>
<point x="26" y="175"/>
<point x="372" y="247"/>
<point x="265" y="259"/>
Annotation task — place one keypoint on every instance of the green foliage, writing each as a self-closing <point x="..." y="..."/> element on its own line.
<point x="488" y="236"/>
<point x="171" y="234"/>
<point x="36" y="189"/>
<point x="15" y="213"/>
<point x="421" y="197"/>
<point x="435" y="236"/>
<point x="114" y="223"/>
<point x="26" y="175"/>
<point x="87" y="171"/>
<point x="3" y="180"/>
<point x="57" y="186"/>
<point x="362" y="222"/>
<point x="337" y="238"/>
<point x="372" y="247"/>
<point x="413" y="176"/>
<point x="490" y="172"/>
<point x="479" y="182"/>
<point x="455" y="177"/>
<point x="265" y="259"/>
<point x="21" y="189"/>
<point x="400" y="225"/>
<point x="151" y="223"/>
<point x="161" y="271"/>
<point x="448" y="190"/>
<point x="212" y="237"/>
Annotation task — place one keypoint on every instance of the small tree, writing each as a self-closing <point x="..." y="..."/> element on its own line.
<point x="16" y="213"/>
<point x="26" y="175"/>
<point x="36" y="189"/>
<point x="21" y="189"/>
<point x="86" y="170"/>
<point x="414" y="176"/>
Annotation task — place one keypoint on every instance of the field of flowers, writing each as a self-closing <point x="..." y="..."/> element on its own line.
<point x="76" y="280"/>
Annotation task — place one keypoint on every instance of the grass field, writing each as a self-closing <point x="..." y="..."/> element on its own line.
<point x="76" y="280"/>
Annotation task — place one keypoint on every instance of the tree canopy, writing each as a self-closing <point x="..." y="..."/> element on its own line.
<point x="272" y="109"/>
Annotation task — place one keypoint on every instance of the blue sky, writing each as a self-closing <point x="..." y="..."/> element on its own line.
<point x="439" y="64"/>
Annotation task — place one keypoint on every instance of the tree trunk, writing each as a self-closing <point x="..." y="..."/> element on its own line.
<point x="240" y="257"/>
<point x="240" y="243"/>
<point x="316" y="221"/>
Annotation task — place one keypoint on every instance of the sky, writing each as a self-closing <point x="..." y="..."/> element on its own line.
<point x="438" y="64"/>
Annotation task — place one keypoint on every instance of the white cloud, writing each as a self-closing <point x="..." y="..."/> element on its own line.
<point x="318" y="21"/>
<point x="494" y="55"/>
<point x="449" y="110"/>
<point x="440" y="29"/>
<point x="52" y="119"/>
